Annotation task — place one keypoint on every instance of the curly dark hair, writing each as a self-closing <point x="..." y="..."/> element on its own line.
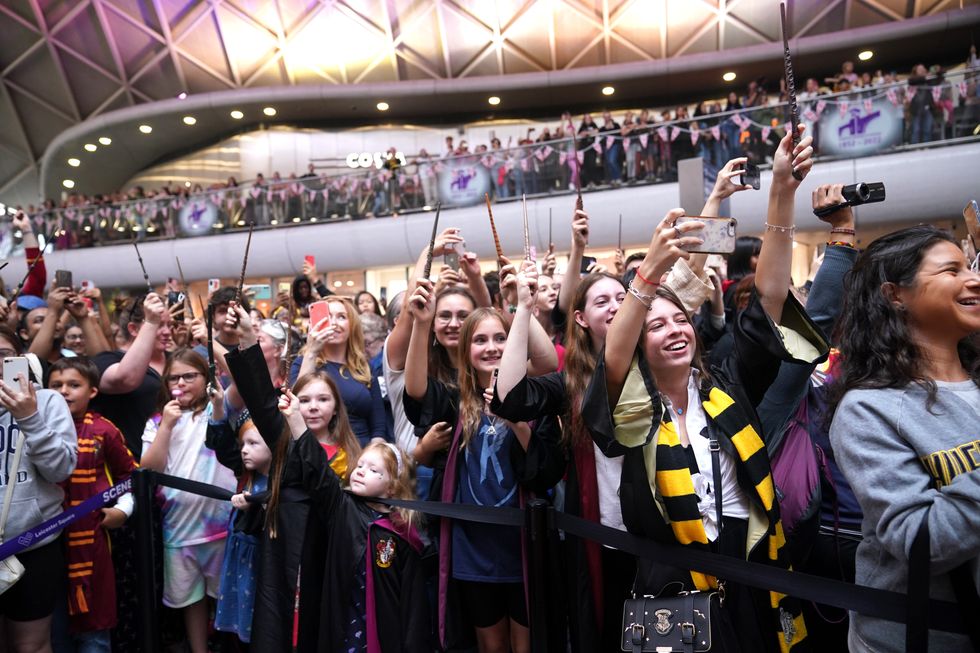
<point x="876" y="346"/>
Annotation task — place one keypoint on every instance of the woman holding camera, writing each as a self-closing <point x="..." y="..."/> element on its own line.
<point x="695" y="470"/>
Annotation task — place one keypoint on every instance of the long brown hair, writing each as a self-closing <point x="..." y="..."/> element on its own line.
<point x="697" y="360"/>
<point x="443" y="365"/>
<point x="355" y="358"/>
<point x="470" y="391"/>
<point x="190" y="358"/>
<point x="340" y="432"/>
<point x="580" y="361"/>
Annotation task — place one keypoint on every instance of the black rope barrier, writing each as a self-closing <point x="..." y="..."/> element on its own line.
<point x="539" y="520"/>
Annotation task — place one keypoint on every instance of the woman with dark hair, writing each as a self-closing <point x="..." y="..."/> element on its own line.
<point x="695" y="468"/>
<point x="905" y="429"/>
<point x="366" y="303"/>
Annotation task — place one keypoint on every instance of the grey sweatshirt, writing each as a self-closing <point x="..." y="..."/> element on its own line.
<point x="49" y="457"/>
<point x="906" y="464"/>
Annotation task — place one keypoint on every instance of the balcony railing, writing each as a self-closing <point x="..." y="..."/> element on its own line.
<point x="855" y="124"/>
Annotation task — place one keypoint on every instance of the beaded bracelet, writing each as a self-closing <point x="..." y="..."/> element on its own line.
<point x="781" y="229"/>
<point x="839" y="243"/>
<point x="842" y="230"/>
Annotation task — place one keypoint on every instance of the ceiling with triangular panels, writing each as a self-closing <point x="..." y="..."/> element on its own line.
<point x="66" y="61"/>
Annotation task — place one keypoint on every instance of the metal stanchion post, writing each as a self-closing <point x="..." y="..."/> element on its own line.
<point x="537" y="543"/>
<point x="144" y="482"/>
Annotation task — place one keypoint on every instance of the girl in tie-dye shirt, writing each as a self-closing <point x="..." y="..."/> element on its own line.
<point x="194" y="527"/>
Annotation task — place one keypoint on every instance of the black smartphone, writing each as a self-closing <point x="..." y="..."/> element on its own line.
<point x="62" y="279"/>
<point x="587" y="262"/>
<point x="751" y="176"/>
<point x="174" y="297"/>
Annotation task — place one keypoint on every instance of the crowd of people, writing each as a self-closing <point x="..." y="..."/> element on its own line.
<point x="634" y="147"/>
<point x="657" y="398"/>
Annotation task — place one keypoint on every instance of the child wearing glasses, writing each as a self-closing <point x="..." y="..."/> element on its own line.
<point x="194" y="527"/>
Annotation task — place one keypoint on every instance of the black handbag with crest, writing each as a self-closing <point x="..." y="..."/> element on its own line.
<point x="680" y="623"/>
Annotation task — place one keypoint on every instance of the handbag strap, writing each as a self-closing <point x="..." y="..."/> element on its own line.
<point x="8" y="496"/>
<point x="715" y="448"/>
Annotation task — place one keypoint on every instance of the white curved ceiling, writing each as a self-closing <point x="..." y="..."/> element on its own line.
<point x="65" y="61"/>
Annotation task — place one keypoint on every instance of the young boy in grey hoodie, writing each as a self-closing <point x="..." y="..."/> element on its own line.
<point x="50" y="454"/>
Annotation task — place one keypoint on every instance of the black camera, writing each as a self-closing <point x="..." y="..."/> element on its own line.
<point x="864" y="193"/>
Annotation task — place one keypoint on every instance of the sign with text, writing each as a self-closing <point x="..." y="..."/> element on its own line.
<point x="461" y="184"/>
<point x="860" y="127"/>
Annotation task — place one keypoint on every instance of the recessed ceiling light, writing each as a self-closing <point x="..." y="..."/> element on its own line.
<point x="182" y="96"/>
<point x="608" y="90"/>
<point x="237" y="115"/>
<point x="90" y="147"/>
<point x="187" y="184"/>
<point x="190" y="120"/>
<point x="269" y="111"/>
<point x="295" y="219"/>
<point x="382" y="106"/>
<point x="68" y="183"/>
<point x="864" y="55"/>
<point x="146" y="129"/>
<point x="74" y="163"/>
<point x="728" y="77"/>
<point x="337" y="284"/>
<point x="493" y="100"/>
<point x="105" y="140"/>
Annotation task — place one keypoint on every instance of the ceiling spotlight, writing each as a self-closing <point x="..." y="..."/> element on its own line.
<point x="337" y="284"/>
<point x="608" y="90"/>
<point x="269" y="111"/>
<point x="187" y="184"/>
<point x="190" y="120"/>
<point x="382" y="106"/>
<point x="493" y="100"/>
<point x="74" y="163"/>
<point x="105" y="140"/>
<point x="295" y="219"/>
<point x="864" y="55"/>
<point x="68" y="183"/>
<point x="182" y="95"/>
<point x="90" y="147"/>
<point x="273" y="222"/>
<point x="237" y="115"/>
<point x="729" y="77"/>
<point x="146" y="129"/>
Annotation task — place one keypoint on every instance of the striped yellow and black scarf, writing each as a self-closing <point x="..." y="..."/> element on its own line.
<point x="673" y="479"/>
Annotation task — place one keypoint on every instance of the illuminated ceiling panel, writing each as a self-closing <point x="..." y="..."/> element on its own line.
<point x="65" y="61"/>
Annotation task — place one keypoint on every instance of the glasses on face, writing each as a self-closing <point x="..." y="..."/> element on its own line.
<point x="186" y="377"/>
<point x="445" y="317"/>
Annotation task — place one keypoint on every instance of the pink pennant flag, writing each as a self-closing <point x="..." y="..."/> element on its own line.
<point x="868" y="105"/>
<point x="524" y="165"/>
<point x="821" y="105"/>
<point x="562" y="157"/>
<point x="937" y="92"/>
<point x="243" y="200"/>
<point x="609" y="141"/>
<point x="892" y="96"/>
<point x="325" y="192"/>
<point x="311" y="195"/>
<point x="842" y="107"/>
<point x="580" y="157"/>
<point x="644" y="138"/>
<point x="695" y="135"/>
<point x="674" y="133"/>
<point x="810" y="115"/>
<point x="540" y="154"/>
<point x="255" y="191"/>
<point x="597" y="146"/>
<point x="662" y="133"/>
<point x="626" y="143"/>
<point x="962" y="89"/>
<point x="716" y="132"/>
<point x="765" y="133"/>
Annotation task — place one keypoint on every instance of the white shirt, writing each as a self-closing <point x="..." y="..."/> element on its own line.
<point x="394" y="384"/>
<point x="608" y="475"/>
<point x="734" y="503"/>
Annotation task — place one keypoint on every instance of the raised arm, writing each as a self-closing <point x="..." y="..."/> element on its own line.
<point x="772" y="276"/>
<point x="514" y="361"/>
<point x="624" y="332"/>
<point x="421" y="309"/>
<point x="397" y="343"/>
<point x="43" y="342"/>
<point x="126" y="375"/>
<point x="580" y="239"/>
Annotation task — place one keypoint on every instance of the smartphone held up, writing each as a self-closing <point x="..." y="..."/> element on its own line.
<point x="718" y="234"/>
